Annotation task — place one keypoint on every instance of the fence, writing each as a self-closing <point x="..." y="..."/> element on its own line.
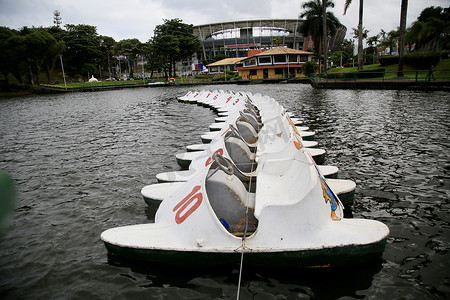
<point x="409" y="75"/>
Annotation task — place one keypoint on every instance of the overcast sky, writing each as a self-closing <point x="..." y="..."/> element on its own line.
<point x="138" y="18"/>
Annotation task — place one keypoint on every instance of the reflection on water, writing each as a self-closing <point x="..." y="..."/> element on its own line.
<point x="80" y="160"/>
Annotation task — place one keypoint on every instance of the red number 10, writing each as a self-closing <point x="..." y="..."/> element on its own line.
<point x="180" y="216"/>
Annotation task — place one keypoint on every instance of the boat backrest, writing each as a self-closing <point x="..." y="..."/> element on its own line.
<point x="247" y="117"/>
<point x="240" y="154"/>
<point x="247" y="131"/>
<point x="231" y="202"/>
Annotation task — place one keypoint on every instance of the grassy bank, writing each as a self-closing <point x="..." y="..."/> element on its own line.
<point x="441" y="71"/>
<point x="81" y="85"/>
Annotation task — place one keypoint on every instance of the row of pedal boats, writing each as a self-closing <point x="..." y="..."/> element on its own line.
<point x="255" y="186"/>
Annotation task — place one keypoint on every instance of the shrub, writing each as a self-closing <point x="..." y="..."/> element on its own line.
<point x="230" y="76"/>
<point x="422" y="60"/>
<point x="309" y="67"/>
<point x="388" y="60"/>
<point x="374" y="73"/>
<point x="350" y="64"/>
<point x="444" y="54"/>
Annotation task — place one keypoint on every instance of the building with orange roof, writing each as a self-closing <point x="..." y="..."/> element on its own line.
<point x="274" y="64"/>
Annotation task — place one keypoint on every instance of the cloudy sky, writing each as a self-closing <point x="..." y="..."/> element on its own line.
<point x="138" y="18"/>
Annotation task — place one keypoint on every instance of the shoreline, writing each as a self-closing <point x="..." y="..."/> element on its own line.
<point x="439" y="85"/>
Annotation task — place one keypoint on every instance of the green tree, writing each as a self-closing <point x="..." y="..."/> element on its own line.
<point x="360" y="30"/>
<point x="174" y="41"/>
<point x="340" y="58"/>
<point x="401" y="52"/>
<point x="83" y="47"/>
<point x="391" y="40"/>
<point x="431" y="22"/>
<point x="16" y="55"/>
<point x="430" y="12"/>
<point x="276" y="41"/>
<point x="6" y="51"/>
<point x="131" y="49"/>
<point x="107" y="44"/>
<point x="309" y="67"/>
<point x="313" y="23"/>
<point x="42" y="49"/>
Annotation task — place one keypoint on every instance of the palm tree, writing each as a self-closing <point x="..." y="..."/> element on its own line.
<point x="324" y="34"/>
<point x="401" y="47"/>
<point x="314" y="21"/>
<point x="391" y="40"/>
<point x="360" y="29"/>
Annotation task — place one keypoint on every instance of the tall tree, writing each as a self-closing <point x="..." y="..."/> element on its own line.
<point x="83" y="49"/>
<point x="42" y="49"/>
<point x="175" y="41"/>
<point x="391" y="40"/>
<point x="401" y="50"/>
<point x="360" y="30"/>
<point x="131" y="49"/>
<point x="6" y="52"/>
<point x="313" y="23"/>
<point x="107" y="48"/>
<point x="325" y="35"/>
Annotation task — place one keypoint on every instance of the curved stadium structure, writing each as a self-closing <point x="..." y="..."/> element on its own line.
<point x="235" y="38"/>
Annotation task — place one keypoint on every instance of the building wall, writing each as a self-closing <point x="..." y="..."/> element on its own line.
<point x="246" y="74"/>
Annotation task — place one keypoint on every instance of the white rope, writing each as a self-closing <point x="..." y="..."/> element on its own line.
<point x="245" y="233"/>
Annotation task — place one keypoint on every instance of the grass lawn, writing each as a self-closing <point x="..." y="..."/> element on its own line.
<point x="441" y="71"/>
<point x="79" y="85"/>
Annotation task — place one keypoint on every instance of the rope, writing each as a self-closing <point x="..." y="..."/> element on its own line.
<point x="245" y="234"/>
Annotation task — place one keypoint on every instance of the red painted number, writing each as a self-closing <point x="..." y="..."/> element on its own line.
<point x="229" y="98"/>
<point x="211" y="159"/>
<point x="182" y="206"/>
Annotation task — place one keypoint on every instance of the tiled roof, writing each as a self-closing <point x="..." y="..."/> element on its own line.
<point x="282" y="50"/>
<point x="227" y="61"/>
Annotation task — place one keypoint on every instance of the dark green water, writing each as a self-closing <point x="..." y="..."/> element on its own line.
<point x="80" y="160"/>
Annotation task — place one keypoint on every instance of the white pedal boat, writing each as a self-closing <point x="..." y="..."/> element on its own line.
<point x="291" y="219"/>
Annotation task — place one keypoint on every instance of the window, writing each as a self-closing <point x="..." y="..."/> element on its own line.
<point x="250" y="62"/>
<point x="279" y="59"/>
<point x="293" y="58"/>
<point x="279" y="71"/>
<point x="265" y="60"/>
<point x="303" y="58"/>
<point x="252" y="72"/>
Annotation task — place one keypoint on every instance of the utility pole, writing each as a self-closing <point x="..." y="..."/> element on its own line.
<point x="64" y="75"/>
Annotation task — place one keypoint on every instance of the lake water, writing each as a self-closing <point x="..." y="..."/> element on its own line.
<point x="79" y="161"/>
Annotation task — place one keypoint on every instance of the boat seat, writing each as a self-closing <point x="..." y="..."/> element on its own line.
<point x="232" y="204"/>
<point x="247" y="132"/>
<point x="247" y="117"/>
<point x="240" y="154"/>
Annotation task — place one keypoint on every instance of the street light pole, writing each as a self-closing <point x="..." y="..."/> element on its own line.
<point x="142" y="60"/>
<point x="64" y="75"/>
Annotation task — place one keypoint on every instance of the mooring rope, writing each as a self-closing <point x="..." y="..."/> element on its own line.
<point x="245" y="232"/>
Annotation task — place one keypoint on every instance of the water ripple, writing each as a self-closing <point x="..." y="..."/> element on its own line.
<point x="80" y="160"/>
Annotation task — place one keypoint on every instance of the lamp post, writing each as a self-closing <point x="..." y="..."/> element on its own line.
<point x="142" y="60"/>
<point x="64" y="75"/>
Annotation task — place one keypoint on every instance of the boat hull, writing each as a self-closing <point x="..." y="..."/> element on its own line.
<point x="306" y="258"/>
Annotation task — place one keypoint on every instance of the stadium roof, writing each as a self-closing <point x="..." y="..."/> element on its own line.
<point x="203" y="31"/>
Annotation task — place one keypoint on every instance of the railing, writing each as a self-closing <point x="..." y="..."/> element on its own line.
<point x="414" y="76"/>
